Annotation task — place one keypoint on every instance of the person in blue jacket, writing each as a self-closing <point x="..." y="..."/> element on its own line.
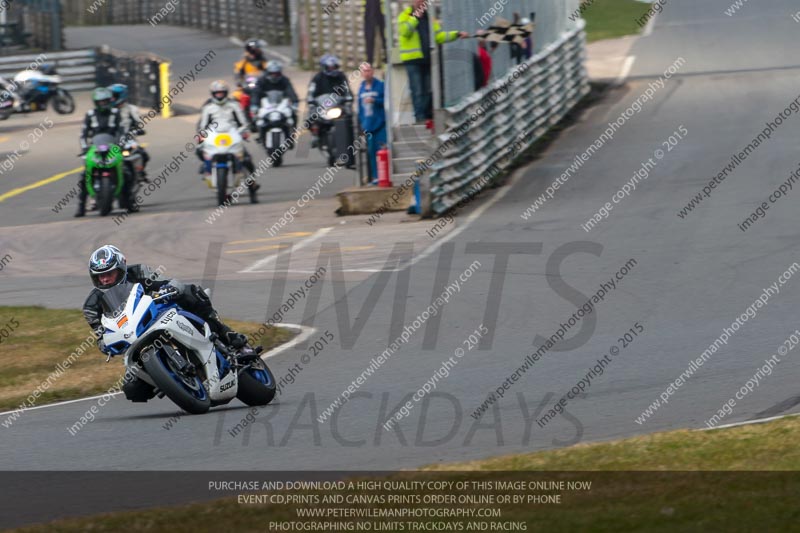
<point x="372" y="116"/>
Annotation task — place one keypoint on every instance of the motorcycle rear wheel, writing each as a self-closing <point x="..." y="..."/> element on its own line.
<point x="63" y="103"/>
<point x="256" y="384"/>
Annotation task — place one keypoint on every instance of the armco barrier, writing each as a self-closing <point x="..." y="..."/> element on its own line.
<point x="546" y="87"/>
<point x="77" y="68"/>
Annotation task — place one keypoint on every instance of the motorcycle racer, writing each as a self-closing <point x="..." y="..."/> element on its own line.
<point x="108" y="268"/>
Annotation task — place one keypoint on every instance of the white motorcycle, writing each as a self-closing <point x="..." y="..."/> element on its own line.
<point x="41" y="89"/>
<point x="224" y="150"/>
<point x="275" y="124"/>
<point x="176" y="352"/>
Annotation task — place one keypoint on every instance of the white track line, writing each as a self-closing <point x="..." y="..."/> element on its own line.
<point x="749" y="422"/>
<point x="305" y="333"/>
<point x="648" y="29"/>
<point x="626" y="69"/>
<point x="269" y="259"/>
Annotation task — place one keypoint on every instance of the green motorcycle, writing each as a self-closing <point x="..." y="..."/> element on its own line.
<point x="105" y="179"/>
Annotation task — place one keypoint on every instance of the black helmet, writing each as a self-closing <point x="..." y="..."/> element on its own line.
<point x="48" y="69"/>
<point x="254" y="47"/>
<point x="329" y="64"/>
<point x="105" y="260"/>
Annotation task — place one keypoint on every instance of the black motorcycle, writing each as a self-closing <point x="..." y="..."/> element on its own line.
<point x="336" y="132"/>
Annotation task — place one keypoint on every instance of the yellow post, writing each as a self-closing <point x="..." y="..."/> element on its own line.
<point x="166" y="110"/>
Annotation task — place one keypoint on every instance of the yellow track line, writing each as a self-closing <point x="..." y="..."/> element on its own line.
<point x="20" y="190"/>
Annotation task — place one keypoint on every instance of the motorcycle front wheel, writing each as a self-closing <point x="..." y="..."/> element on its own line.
<point x="63" y="102"/>
<point x="186" y="391"/>
<point x="222" y="185"/>
<point x="105" y="196"/>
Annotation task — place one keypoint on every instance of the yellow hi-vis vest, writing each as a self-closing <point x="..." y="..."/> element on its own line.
<point x="411" y="42"/>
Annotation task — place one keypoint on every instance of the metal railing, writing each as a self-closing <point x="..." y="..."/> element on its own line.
<point x="491" y="121"/>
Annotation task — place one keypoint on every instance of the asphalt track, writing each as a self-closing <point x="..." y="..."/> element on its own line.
<point x="693" y="277"/>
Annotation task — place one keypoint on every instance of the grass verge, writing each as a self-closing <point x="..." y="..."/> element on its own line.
<point x="663" y="488"/>
<point x="44" y="338"/>
<point x="608" y="19"/>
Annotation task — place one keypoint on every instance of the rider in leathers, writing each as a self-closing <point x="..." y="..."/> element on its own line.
<point x="108" y="268"/>
<point x="130" y="119"/>
<point x="274" y="80"/>
<point x="104" y="118"/>
<point x="221" y="113"/>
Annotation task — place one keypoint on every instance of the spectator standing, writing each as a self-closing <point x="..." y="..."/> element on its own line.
<point x="374" y="19"/>
<point x="413" y="25"/>
<point x="372" y="116"/>
<point x="486" y="64"/>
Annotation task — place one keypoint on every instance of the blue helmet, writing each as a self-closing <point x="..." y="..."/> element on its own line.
<point x="120" y="93"/>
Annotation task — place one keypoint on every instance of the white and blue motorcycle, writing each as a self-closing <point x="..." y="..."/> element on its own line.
<point x="176" y="352"/>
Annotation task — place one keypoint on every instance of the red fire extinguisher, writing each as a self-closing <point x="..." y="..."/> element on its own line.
<point x="383" y="168"/>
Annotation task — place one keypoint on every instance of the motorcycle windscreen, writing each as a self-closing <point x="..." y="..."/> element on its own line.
<point x="104" y="142"/>
<point x="114" y="299"/>
<point x="327" y="101"/>
<point x="274" y="97"/>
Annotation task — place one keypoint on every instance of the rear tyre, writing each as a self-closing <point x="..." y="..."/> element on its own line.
<point x="256" y="384"/>
<point x="186" y="391"/>
<point x="105" y="197"/>
<point x="63" y="102"/>
<point x="222" y="185"/>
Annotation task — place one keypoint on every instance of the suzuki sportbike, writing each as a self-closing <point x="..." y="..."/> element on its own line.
<point x="275" y="124"/>
<point x="224" y="152"/>
<point x="176" y="353"/>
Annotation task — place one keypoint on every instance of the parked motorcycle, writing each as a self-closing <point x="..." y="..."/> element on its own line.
<point x="275" y="124"/>
<point x="37" y="89"/>
<point x="336" y="134"/>
<point x="224" y="151"/>
<point x="176" y="352"/>
<point x="105" y="177"/>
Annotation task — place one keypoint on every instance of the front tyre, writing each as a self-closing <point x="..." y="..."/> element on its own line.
<point x="222" y="185"/>
<point x="185" y="390"/>
<point x="63" y="102"/>
<point x="256" y="384"/>
<point x="105" y="197"/>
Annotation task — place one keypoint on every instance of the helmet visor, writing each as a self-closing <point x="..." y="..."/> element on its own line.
<point x="106" y="280"/>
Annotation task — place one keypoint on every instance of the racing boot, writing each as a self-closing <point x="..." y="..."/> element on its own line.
<point x="81" y="212"/>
